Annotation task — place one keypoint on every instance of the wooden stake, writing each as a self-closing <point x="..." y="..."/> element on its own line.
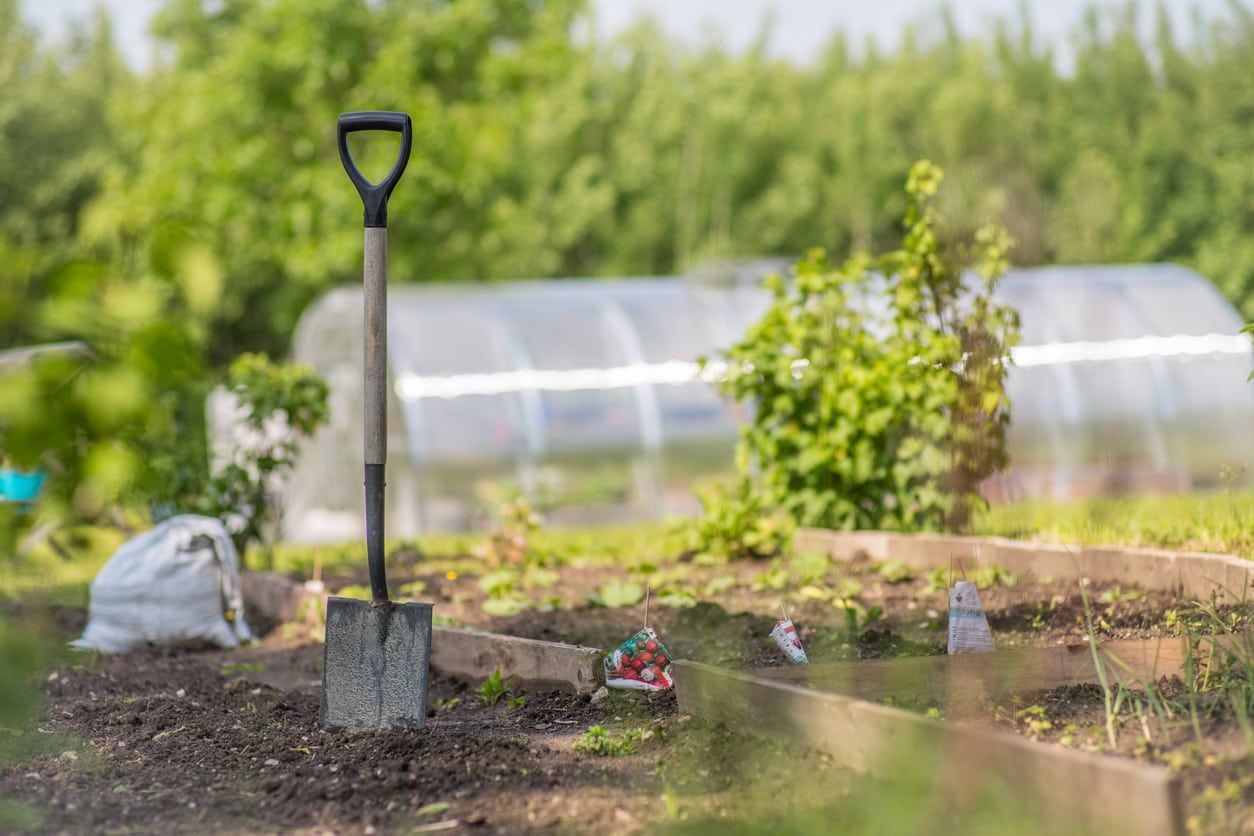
<point x="648" y="592"/>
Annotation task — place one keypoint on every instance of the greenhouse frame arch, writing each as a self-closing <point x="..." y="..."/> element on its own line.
<point x="586" y="394"/>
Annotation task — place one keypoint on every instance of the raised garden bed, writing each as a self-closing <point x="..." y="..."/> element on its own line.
<point x="514" y="766"/>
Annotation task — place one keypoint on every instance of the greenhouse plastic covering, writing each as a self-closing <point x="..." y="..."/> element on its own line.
<point x="587" y="396"/>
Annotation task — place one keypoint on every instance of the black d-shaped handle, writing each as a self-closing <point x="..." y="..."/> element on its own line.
<point x="374" y="196"/>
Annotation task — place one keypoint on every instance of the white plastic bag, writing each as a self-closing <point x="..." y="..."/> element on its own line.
<point x="178" y="582"/>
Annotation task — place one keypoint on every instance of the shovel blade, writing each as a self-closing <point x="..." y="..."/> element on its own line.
<point x="375" y="665"/>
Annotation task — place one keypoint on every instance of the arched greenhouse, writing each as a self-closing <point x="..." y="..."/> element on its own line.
<point x="585" y="393"/>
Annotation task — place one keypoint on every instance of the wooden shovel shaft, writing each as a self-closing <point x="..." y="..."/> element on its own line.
<point x="376" y="280"/>
<point x="376" y="430"/>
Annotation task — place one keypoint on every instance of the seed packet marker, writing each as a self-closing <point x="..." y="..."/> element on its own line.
<point x="968" y="624"/>
<point x="784" y="633"/>
<point x="641" y="663"/>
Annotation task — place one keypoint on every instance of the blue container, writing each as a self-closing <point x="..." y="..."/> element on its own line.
<point x="16" y="486"/>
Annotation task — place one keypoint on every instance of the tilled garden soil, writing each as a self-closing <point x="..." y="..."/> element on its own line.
<point x="729" y="612"/>
<point x="229" y="742"/>
<point x="195" y="741"/>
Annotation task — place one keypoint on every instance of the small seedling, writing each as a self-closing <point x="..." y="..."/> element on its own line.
<point x="1115" y="595"/>
<point x="676" y="598"/>
<point x="447" y="703"/>
<point x="615" y="594"/>
<point x="598" y="741"/>
<point x="413" y="589"/>
<point x="858" y="619"/>
<point x="809" y="567"/>
<point x="492" y="689"/>
<point x="1035" y="717"/>
<point x="241" y="667"/>
<point x="354" y="590"/>
<point x="518" y="701"/>
<point x="433" y="809"/>
<point x="895" y="571"/>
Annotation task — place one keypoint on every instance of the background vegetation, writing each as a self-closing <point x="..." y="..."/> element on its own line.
<point x="541" y="153"/>
<point x="179" y="217"/>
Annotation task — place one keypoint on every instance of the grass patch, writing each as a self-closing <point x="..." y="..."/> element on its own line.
<point x="1207" y="522"/>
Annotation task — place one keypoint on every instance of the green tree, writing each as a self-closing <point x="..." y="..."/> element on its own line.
<point x="238" y="141"/>
<point x="55" y="145"/>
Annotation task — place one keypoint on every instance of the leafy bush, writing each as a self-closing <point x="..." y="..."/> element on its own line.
<point x="879" y="419"/>
<point x="280" y="404"/>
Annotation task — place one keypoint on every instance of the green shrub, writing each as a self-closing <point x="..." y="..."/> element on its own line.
<point x="888" y="419"/>
<point x="281" y="404"/>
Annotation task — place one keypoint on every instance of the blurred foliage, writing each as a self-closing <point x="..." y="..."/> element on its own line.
<point x="175" y="218"/>
<point x="542" y="151"/>
<point x="1214" y="522"/>
<point x="881" y="419"/>
<point x="280" y="406"/>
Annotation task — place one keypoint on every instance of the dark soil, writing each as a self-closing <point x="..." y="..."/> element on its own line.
<point x="192" y="742"/>
<point x="229" y="741"/>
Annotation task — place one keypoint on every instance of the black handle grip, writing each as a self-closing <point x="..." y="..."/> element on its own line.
<point x="374" y="196"/>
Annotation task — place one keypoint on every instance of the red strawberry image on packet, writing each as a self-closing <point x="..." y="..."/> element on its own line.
<point x="642" y="663"/>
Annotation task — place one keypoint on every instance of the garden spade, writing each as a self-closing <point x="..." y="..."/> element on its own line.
<point x="375" y="662"/>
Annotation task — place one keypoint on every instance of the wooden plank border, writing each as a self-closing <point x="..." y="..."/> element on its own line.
<point x="1071" y="791"/>
<point x="530" y="664"/>
<point x="968" y="678"/>
<point x="1191" y="575"/>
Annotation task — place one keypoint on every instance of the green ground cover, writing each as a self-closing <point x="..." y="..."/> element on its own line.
<point x="1212" y="522"/>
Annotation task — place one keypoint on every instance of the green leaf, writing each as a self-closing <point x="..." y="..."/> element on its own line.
<point x="616" y="593"/>
<point x="435" y="808"/>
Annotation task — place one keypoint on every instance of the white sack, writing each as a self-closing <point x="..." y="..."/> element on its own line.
<point x="968" y="625"/>
<point x="177" y="582"/>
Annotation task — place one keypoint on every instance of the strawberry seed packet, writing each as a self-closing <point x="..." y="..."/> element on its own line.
<point x="785" y="635"/>
<point x="641" y="663"/>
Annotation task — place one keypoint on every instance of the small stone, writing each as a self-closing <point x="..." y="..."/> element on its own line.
<point x="601" y="695"/>
<point x="182" y="692"/>
<point x="68" y="755"/>
<point x="271" y="762"/>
